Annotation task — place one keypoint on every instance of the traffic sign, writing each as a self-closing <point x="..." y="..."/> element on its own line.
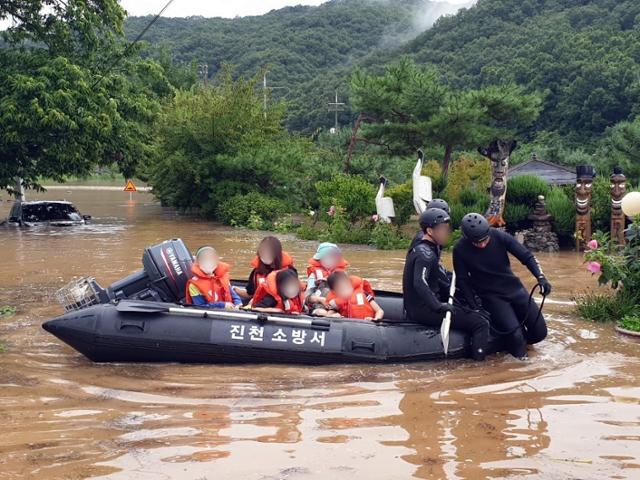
<point x="130" y="187"/>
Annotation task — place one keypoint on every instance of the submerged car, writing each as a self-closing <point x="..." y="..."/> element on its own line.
<point x="54" y="213"/>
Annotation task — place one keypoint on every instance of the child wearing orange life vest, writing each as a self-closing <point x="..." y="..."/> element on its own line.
<point x="210" y="285"/>
<point x="281" y="292"/>
<point x="269" y="257"/>
<point x="353" y="297"/>
<point x="327" y="259"/>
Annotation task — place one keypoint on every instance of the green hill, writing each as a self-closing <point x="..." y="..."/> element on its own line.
<point x="310" y="51"/>
<point x="583" y="54"/>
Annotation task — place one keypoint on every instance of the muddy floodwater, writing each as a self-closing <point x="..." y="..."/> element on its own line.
<point x="573" y="411"/>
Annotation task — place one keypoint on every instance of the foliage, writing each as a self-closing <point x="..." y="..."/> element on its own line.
<point x="61" y="112"/>
<point x="402" y="196"/>
<point x="353" y="196"/>
<point x="525" y="189"/>
<point x="588" y="68"/>
<point x="254" y="210"/>
<point x="631" y="322"/>
<point x="515" y="214"/>
<point x="6" y="311"/>
<point x="386" y="236"/>
<point x="409" y="105"/>
<point x="216" y="142"/>
<point x="621" y="146"/>
<point x="467" y="173"/>
<point x="562" y="208"/>
<point x="601" y="204"/>
<point x="606" y="307"/>
<point x="618" y="267"/>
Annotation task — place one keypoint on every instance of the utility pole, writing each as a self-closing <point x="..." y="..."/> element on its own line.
<point x="203" y="70"/>
<point x="19" y="188"/>
<point x="264" y="93"/>
<point x="336" y="107"/>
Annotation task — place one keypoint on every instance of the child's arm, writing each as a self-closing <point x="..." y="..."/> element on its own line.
<point x="379" y="315"/>
<point x="237" y="301"/>
<point x="267" y="305"/>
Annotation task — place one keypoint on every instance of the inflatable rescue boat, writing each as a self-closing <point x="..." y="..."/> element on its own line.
<point x="140" y="319"/>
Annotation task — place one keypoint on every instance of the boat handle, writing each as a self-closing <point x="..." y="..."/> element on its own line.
<point x="133" y="324"/>
<point x="371" y="346"/>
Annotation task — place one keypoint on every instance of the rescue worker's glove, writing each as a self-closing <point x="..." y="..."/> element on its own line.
<point x="445" y="308"/>
<point x="545" y="286"/>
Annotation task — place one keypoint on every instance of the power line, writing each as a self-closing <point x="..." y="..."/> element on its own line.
<point x="132" y="44"/>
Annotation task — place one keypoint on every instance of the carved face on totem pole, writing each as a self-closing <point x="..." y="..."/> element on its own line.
<point x="498" y="153"/>
<point x="584" y="185"/>
<point x="618" y="191"/>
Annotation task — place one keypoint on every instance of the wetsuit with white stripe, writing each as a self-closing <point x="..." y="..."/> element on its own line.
<point x="421" y="290"/>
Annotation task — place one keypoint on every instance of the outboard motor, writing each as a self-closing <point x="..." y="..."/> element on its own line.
<point x="166" y="270"/>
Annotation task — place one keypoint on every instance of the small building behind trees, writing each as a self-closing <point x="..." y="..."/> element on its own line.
<point x="551" y="173"/>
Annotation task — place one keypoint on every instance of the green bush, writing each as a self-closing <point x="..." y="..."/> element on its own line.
<point x="308" y="232"/>
<point x="601" y="204"/>
<point x="255" y="210"/>
<point x="467" y="173"/>
<point x="515" y="215"/>
<point x="402" y="196"/>
<point x="605" y="308"/>
<point x="631" y="322"/>
<point x="564" y="212"/>
<point x="221" y="192"/>
<point x="457" y="212"/>
<point x="386" y="236"/>
<point x="470" y="197"/>
<point x="352" y="193"/>
<point x="525" y="189"/>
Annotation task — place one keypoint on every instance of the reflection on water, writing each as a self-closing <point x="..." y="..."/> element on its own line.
<point x="571" y="412"/>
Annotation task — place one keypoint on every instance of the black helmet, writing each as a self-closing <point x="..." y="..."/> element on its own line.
<point x="439" y="203"/>
<point x="433" y="217"/>
<point x="475" y="227"/>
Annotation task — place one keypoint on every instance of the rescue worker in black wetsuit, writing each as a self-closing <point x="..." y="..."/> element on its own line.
<point x="445" y="275"/>
<point x="423" y="300"/>
<point x="481" y="263"/>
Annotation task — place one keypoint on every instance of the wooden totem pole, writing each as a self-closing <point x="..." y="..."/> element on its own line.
<point x="584" y="186"/>
<point x="618" y="191"/>
<point x="498" y="153"/>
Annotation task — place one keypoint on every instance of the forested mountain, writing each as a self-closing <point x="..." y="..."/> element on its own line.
<point x="582" y="55"/>
<point x="310" y="51"/>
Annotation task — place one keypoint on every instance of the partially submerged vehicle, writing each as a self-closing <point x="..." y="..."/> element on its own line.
<point x="56" y="213"/>
<point x="141" y="319"/>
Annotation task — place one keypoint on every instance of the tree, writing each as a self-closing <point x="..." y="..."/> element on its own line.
<point x="621" y="147"/>
<point x="408" y="106"/>
<point x="62" y="111"/>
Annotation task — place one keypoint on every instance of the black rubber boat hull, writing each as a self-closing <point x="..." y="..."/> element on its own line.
<point x="102" y="333"/>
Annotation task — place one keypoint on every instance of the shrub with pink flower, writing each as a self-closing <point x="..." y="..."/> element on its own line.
<point x="332" y="211"/>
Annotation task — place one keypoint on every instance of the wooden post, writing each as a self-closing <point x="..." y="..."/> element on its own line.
<point x="584" y="186"/>
<point x="498" y="153"/>
<point x="618" y="191"/>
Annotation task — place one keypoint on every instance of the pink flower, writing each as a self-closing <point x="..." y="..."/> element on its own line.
<point x="594" y="267"/>
<point x="332" y="211"/>
<point x="375" y="218"/>
<point x="593" y="244"/>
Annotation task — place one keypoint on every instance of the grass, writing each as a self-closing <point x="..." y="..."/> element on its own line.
<point x="604" y="308"/>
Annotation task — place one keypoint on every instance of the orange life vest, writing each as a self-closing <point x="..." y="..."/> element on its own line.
<point x="215" y="287"/>
<point x="287" y="262"/>
<point x="270" y="287"/>
<point x="315" y="267"/>
<point x="359" y="304"/>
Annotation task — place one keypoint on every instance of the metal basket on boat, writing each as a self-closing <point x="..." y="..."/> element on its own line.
<point x="78" y="294"/>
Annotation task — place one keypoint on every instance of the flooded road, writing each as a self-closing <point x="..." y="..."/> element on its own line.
<point x="571" y="412"/>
